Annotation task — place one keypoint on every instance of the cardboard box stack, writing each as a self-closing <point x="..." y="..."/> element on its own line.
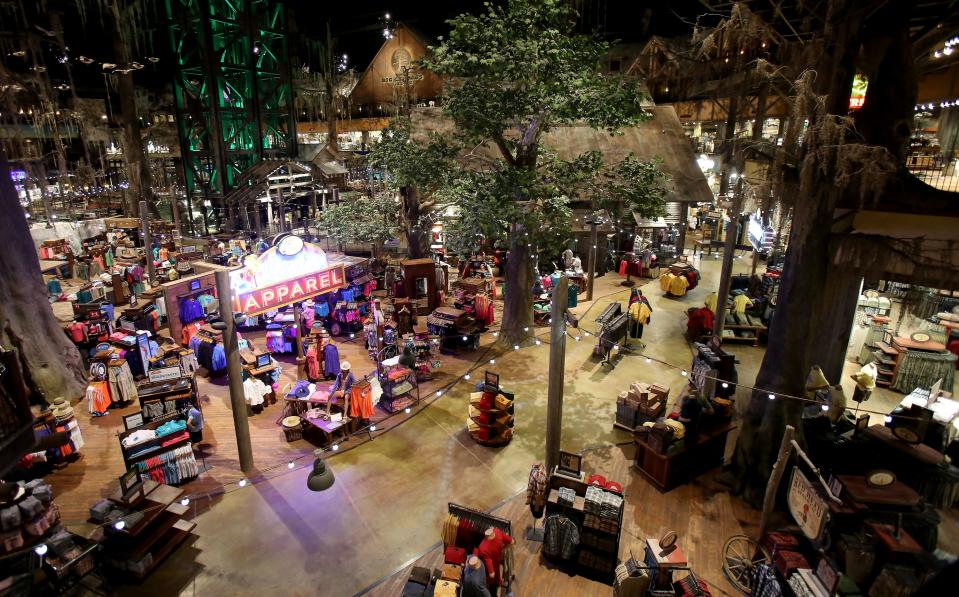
<point x="642" y="402"/>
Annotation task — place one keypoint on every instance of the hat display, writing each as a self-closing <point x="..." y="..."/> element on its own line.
<point x="291" y="422"/>
<point x="62" y="409"/>
<point x="302" y="390"/>
<point x="98" y="371"/>
<point x="345" y="366"/>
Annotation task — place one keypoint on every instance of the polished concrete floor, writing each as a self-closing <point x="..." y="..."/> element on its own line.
<point x="386" y="507"/>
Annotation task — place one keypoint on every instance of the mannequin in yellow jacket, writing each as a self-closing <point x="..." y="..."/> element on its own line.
<point x="639" y="316"/>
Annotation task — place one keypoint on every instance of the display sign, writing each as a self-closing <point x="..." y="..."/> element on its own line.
<point x="287" y="273"/>
<point x="292" y="291"/>
<point x="165" y="373"/>
<point x="130" y="481"/>
<point x="132" y="421"/>
<point x="807" y="507"/>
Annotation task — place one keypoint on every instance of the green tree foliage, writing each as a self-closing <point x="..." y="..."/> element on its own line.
<point x="359" y="219"/>
<point x="417" y="170"/>
<point x="513" y="73"/>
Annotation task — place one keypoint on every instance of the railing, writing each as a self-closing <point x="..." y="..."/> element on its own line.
<point x="935" y="170"/>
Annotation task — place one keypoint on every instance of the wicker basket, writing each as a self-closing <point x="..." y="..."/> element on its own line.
<point x="293" y="433"/>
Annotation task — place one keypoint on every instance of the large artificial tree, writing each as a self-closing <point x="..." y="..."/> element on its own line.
<point x="360" y="219"/>
<point x="846" y="162"/>
<point x="50" y="362"/>
<point x="513" y="73"/>
<point x="418" y="171"/>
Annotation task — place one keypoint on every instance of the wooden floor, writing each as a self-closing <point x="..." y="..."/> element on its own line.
<point x="701" y="513"/>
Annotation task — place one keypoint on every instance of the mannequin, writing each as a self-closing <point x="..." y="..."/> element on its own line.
<point x="865" y="382"/>
<point x="568" y="259"/>
<point x="536" y="490"/>
<point x="577" y="265"/>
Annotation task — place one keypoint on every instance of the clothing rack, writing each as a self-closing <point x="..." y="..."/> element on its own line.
<point x="478" y="518"/>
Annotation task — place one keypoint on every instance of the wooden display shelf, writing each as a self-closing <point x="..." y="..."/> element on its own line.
<point x="754" y="328"/>
<point x="177" y="534"/>
<point x="579" y="503"/>
<point x="666" y="471"/>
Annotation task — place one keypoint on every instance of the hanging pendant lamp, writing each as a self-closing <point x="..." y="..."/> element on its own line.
<point x="321" y="478"/>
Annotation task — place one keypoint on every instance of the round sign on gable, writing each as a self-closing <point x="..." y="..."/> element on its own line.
<point x="290" y="245"/>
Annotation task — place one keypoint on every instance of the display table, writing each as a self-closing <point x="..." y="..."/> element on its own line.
<point x="328" y="428"/>
<point x="680" y="465"/>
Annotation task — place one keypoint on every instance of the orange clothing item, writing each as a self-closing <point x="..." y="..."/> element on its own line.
<point x="490" y="551"/>
<point x="361" y="401"/>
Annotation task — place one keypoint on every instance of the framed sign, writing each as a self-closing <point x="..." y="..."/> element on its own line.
<point x="165" y="373"/>
<point x="807" y="507"/>
<point x="570" y="463"/>
<point x="132" y="421"/>
<point x="492" y="379"/>
<point x="194" y="285"/>
<point x="130" y="481"/>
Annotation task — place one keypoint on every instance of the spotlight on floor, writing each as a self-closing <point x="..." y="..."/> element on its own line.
<point x="321" y="477"/>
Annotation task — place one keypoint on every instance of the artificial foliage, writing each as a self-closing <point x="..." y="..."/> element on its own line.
<point x="513" y="73"/>
<point x="361" y="219"/>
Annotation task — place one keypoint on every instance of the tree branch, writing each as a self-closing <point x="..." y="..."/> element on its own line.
<point x="501" y="144"/>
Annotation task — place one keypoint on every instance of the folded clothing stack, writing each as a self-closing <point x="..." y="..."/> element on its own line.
<point x="566" y="496"/>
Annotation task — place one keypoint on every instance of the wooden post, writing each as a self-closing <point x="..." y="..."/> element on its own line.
<point x="300" y="359"/>
<point x="591" y="260"/>
<point x="147" y="240"/>
<point x="729" y="251"/>
<point x="772" y="488"/>
<point x="234" y="371"/>
<point x="557" y="373"/>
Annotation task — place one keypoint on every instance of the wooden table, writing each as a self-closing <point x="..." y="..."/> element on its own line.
<point x="897" y="494"/>
<point x="328" y="428"/>
<point x="666" y="471"/>
<point x="920" y="452"/>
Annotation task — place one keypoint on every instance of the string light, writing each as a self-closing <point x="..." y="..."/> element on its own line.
<point x="725" y="385"/>
<point x="242" y="483"/>
<point x="118" y="525"/>
<point x="466" y="377"/>
<point x="516" y="347"/>
<point x="186" y="501"/>
<point x="41" y="549"/>
<point x="492" y="361"/>
<point x="772" y="396"/>
<point x="372" y="427"/>
<point x="290" y="464"/>
<point x="439" y="393"/>
<point x="336" y="447"/>
<point x="685" y="373"/>
<point x="537" y="344"/>
<point x="407" y="410"/>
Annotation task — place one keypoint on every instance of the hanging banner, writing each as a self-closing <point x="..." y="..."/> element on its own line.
<point x="289" y="272"/>
<point x="807" y="507"/>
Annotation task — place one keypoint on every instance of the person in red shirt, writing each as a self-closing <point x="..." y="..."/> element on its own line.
<point x="490" y="550"/>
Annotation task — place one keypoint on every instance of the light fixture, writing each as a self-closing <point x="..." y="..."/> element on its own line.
<point x="321" y="477"/>
<point x="290" y="464"/>
<point x="439" y="392"/>
<point x="772" y="396"/>
<point x="538" y="343"/>
<point x="585" y="333"/>
<point x="937" y="54"/>
<point x="41" y="549"/>
<point x="526" y="329"/>
<point x="492" y="361"/>
<point x="725" y="385"/>
<point x="888" y="419"/>
<point x="947" y="50"/>
<point x="685" y="373"/>
<point x="465" y="338"/>
<point x="372" y="427"/>
<point x="407" y="410"/>
<point x="336" y="447"/>
<point x="352" y="335"/>
<point x="825" y="407"/>
<point x="516" y="347"/>
<point x="578" y="338"/>
<point x="186" y="501"/>
<point x="242" y="483"/>
<point x="466" y="377"/>
<point x="649" y="360"/>
<point x="495" y="334"/>
<point x="118" y="525"/>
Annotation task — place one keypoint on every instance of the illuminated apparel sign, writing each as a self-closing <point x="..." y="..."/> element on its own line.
<point x="290" y="272"/>
<point x="292" y="291"/>
<point x="858" y="95"/>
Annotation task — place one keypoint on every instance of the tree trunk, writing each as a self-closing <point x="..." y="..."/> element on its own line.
<point x="417" y="238"/>
<point x="518" y="303"/>
<point x="792" y="350"/>
<point x="50" y="362"/>
<point x="139" y="176"/>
